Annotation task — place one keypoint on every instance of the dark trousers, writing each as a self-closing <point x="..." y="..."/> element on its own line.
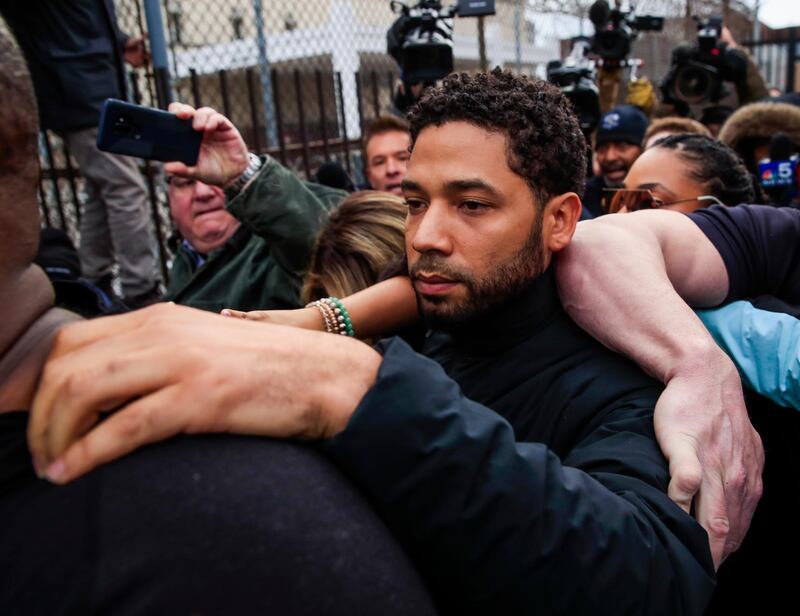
<point x="761" y="577"/>
<point x="202" y="525"/>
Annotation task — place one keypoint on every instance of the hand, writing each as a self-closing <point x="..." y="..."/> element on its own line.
<point x="135" y="52"/>
<point x="726" y="36"/>
<point x="170" y="369"/>
<point x="223" y="152"/>
<point x="715" y="456"/>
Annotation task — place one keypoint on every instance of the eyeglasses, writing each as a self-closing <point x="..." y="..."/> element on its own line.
<point x="178" y="183"/>
<point x="633" y="199"/>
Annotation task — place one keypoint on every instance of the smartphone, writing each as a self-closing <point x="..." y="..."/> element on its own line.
<point x="144" y="132"/>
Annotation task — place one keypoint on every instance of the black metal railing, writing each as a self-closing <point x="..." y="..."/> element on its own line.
<point x="777" y="58"/>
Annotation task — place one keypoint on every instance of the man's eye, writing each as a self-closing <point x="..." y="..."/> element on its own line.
<point x="474" y="206"/>
<point x="414" y="205"/>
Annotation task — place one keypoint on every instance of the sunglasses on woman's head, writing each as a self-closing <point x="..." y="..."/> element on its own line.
<point x="633" y="199"/>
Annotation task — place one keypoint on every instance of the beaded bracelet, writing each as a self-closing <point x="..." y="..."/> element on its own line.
<point x="334" y="315"/>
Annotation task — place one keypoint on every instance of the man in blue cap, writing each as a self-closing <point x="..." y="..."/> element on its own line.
<point x="617" y="144"/>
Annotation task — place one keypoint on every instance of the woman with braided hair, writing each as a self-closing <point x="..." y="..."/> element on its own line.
<point x="684" y="173"/>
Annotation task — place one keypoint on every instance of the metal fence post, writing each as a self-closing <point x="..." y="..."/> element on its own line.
<point x="266" y="81"/>
<point x="518" y="17"/>
<point x="158" y="50"/>
<point x="791" y="60"/>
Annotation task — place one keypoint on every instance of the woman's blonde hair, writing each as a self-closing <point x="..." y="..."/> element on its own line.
<point x="362" y="236"/>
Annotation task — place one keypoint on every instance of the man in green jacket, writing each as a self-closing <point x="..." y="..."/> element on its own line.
<point x="246" y="247"/>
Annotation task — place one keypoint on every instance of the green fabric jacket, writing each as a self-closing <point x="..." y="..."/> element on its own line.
<point x="263" y="264"/>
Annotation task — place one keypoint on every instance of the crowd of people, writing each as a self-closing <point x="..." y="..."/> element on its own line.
<point x="485" y="383"/>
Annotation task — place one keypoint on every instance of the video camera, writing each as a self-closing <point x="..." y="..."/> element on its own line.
<point x="698" y="71"/>
<point x="615" y="30"/>
<point x="421" y="38"/>
<point x="576" y="78"/>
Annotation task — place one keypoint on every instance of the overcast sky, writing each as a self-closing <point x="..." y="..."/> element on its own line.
<point x="779" y="13"/>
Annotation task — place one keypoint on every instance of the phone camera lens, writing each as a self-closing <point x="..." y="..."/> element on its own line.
<point x="123" y="125"/>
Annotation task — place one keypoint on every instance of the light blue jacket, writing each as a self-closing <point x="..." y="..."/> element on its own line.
<point x="764" y="345"/>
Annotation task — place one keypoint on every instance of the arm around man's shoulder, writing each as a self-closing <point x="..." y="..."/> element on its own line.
<point x="760" y="247"/>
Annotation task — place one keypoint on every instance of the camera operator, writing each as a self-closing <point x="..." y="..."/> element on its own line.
<point x="618" y="144"/>
<point x="421" y="42"/>
<point x="699" y="70"/>
<point x="615" y="31"/>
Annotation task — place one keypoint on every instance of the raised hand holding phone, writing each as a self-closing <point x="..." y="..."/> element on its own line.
<point x="223" y="153"/>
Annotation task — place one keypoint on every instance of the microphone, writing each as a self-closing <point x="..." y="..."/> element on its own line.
<point x="778" y="173"/>
<point x="781" y="147"/>
<point x="332" y="174"/>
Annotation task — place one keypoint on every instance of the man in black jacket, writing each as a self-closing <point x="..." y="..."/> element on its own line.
<point x="75" y="54"/>
<point x="618" y="144"/>
<point x="553" y="500"/>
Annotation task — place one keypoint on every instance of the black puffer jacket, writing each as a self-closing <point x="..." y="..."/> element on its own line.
<point x="552" y="502"/>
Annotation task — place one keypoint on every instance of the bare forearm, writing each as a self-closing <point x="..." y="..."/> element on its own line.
<point x="616" y="281"/>
<point x="625" y="280"/>
<point x="383" y="308"/>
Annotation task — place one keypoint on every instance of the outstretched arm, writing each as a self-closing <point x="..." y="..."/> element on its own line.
<point x="623" y="279"/>
<point x="376" y="311"/>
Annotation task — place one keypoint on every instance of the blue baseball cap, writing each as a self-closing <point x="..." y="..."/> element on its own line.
<point x="623" y="123"/>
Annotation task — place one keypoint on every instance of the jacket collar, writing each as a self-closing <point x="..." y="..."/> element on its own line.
<point x="235" y="244"/>
<point x="513" y="322"/>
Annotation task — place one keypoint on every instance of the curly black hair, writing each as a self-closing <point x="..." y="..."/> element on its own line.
<point x="545" y="144"/>
<point x="716" y="166"/>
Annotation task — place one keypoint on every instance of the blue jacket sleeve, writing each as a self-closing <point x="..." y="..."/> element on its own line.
<point x="498" y="526"/>
<point x="764" y="345"/>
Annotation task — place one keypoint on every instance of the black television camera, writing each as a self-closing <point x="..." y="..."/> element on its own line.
<point x="615" y="30"/>
<point x="576" y="78"/>
<point x="421" y="38"/>
<point x="698" y="71"/>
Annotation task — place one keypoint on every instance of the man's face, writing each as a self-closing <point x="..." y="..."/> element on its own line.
<point x="387" y="160"/>
<point x="474" y="230"/>
<point x="614" y="159"/>
<point x="199" y="212"/>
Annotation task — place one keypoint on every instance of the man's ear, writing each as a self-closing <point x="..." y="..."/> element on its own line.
<point x="561" y="216"/>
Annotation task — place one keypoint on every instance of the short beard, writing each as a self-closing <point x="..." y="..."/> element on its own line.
<point x="502" y="284"/>
<point x="605" y="170"/>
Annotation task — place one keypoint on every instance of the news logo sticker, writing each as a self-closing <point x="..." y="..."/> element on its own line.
<point x="778" y="173"/>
